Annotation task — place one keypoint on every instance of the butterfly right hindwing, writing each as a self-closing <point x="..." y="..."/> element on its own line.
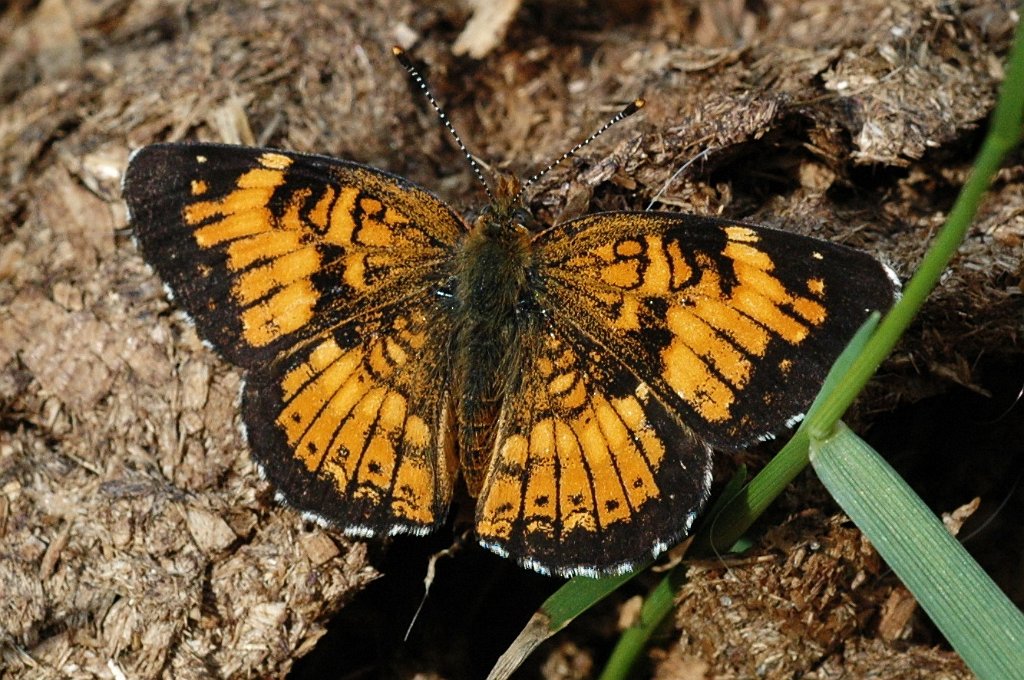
<point x="591" y="472"/>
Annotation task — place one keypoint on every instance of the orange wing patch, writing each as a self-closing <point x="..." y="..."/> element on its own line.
<point x="282" y="241"/>
<point x="582" y="458"/>
<point x="361" y="412"/>
<point x="278" y="297"/>
<point x="713" y="313"/>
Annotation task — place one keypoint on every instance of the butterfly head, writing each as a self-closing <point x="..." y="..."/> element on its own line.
<point x="507" y="211"/>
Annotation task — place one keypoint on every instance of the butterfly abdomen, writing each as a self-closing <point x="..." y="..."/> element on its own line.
<point x="491" y="293"/>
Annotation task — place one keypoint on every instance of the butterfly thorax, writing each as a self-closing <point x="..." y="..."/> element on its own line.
<point x="494" y="310"/>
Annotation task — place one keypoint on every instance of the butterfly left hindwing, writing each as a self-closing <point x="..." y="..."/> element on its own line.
<point x="353" y="426"/>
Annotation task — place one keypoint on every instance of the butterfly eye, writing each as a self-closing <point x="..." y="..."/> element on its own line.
<point x="524" y="217"/>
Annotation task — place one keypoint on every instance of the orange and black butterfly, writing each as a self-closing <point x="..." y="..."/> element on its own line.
<point x="574" y="378"/>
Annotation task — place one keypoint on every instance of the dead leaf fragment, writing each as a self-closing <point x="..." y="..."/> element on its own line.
<point x="208" y="529"/>
<point x="486" y="28"/>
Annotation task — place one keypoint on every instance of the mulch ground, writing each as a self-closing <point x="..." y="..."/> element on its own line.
<point x="136" y="539"/>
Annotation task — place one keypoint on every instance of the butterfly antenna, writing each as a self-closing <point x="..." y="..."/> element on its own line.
<point x="418" y="79"/>
<point x="628" y="111"/>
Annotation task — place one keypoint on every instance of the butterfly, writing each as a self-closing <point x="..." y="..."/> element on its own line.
<point x="572" y="378"/>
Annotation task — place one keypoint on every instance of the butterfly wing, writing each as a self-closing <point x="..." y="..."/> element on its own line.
<point x="663" y="334"/>
<point x="353" y="427"/>
<point x="734" y="326"/>
<point x="320" y="277"/>
<point x="591" y="472"/>
<point x="265" y="248"/>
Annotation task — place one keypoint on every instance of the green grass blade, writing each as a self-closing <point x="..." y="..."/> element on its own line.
<point x="1003" y="136"/>
<point x="660" y="600"/>
<point x="568" y="602"/>
<point x="581" y="593"/>
<point x="978" y="620"/>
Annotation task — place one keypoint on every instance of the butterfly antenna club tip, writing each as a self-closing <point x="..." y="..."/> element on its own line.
<point x="626" y="112"/>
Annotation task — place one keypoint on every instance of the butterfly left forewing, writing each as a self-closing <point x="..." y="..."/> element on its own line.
<point x="264" y="248"/>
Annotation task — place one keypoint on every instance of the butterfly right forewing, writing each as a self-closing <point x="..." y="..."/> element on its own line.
<point x="733" y="325"/>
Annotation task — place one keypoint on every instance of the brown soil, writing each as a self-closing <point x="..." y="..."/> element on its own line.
<point x="135" y="537"/>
